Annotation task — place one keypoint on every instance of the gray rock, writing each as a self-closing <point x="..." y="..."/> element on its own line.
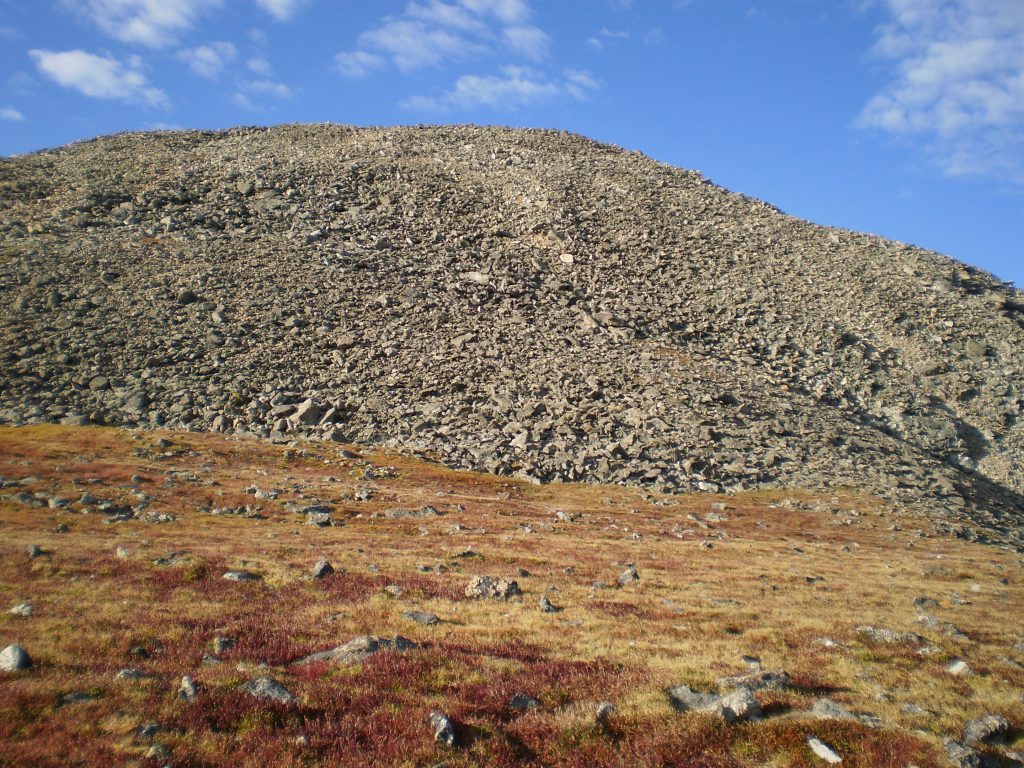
<point x="358" y="649"/>
<point x="14" y="658"/>
<point x="604" y="711"/>
<point x="34" y="551"/>
<point x="322" y="568"/>
<point x="889" y="636"/>
<point x="443" y="728"/>
<point x="546" y="606"/>
<point x="268" y="689"/>
<point x="421" y="617"/>
<point x="756" y="681"/>
<point x="489" y="587"/>
<point x="21" y="609"/>
<point x="187" y="689"/>
<point x="523" y="702"/>
<point x="985" y="729"/>
<point x="628" y="576"/>
<point x="241" y="576"/>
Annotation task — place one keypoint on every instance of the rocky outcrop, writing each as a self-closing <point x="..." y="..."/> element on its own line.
<point x="528" y="303"/>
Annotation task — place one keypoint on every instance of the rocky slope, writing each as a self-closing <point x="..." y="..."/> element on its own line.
<point x="521" y="302"/>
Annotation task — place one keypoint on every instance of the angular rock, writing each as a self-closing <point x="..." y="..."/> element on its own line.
<point x="421" y="617"/>
<point x="14" y="658"/>
<point x="322" y="568"/>
<point x="358" y="649"/>
<point x="493" y="588"/>
<point x="268" y="689"/>
<point x="985" y="729"/>
<point x="443" y="728"/>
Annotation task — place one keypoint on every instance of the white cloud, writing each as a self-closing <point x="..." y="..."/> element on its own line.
<point x="959" y="82"/>
<point x="282" y="10"/>
<point x="506" y="11"/>
<point x="431" y="33"/>
<point x="259" y="65"/>
<point x="606" y="36"/>
<point x="99" y="76"/>
<point x="357" y="63"/>
<point x="412" y="44"/>
<point x="154" y="23"/>
<point x="514" y="87"/>
<point x="208" y="60"/>
<point x="531" y="42"/>
<point x="248" y="91"/>
<point x="10" y="113"/>
<point x="268" y="88"/>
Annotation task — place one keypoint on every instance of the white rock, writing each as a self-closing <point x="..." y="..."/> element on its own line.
<point x="824" y="751"/>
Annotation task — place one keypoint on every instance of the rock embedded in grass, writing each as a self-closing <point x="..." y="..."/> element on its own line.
<point x="628" y="576"/>
<point x="824" y="751"/>
<point x="757" y="681"/>
<point x="359" y="648"/>
<point x="738" y="706"/>
<point x="14" y="658"/>
<point x="523" y="702"/>
<point x="490" y="587"/>
<point x="21" y="609"/>
<point x="422" y="617"/>
<point x="443" y="727"/>
<point x="546" y="606"/>
<point x="268" y="689"/>
<point x="889" y="636"/>
<point x="241" y="576"/>
<point x="322" y="568"/>
<point x="187" y="689"/>
<point x="985" y="729"/>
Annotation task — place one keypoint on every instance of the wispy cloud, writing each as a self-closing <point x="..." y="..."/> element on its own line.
<point x="10" y="113"/>
<point x="431" y="33"/>
<point x="356" y="64"/>
<point x="606" y="36"/>
<point x="958" y="84"/>
<point x="282" y="10"/>
<point x="252" y="94"/>
<point x="155" y="23"/>
<point x="101" y="77"/>
<point x="514" y="87"/>
<point x="209" y="60"/>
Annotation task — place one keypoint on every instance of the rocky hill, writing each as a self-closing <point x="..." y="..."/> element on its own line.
<point x="529" y="303"/>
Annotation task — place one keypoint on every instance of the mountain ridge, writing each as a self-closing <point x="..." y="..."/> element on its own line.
<point x="522" y="302"/>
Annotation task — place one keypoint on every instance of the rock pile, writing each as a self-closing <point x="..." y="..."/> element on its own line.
<point x="521" y="302"/>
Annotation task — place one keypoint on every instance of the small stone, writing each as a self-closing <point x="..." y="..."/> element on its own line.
<point x="421" y="617"/>
<point x="186" y="296"/>
<point x="985" y="729"/>
<point x="22" y="609"/>
<point x="492" y="588"/>
<point x="443" y="727"/>
<point x="34" y="551"/>
<point x="604" y="711"/>
<point x="241" y="576"/>
<point x="959" y="667"/>
<point x="130" y="673"/>
<point x="546" y="606"/>
<point x="222" y="644"/>
<point x="122" y="553"/>
<point x="322" y="568"/>
<point x="628" y="576"/>
<point x="824" y="751"/>
<point x="268" y="689"/>
<point x="739" y="707"/>
<point x="14" y="658"/>
<point x="187" y="689"/>
<point x="523" y="702"/>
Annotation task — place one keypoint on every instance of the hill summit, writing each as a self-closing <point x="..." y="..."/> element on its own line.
<point x="522" y="302"/>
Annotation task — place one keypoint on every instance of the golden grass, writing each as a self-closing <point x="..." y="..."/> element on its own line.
<point x="783" y="571"/>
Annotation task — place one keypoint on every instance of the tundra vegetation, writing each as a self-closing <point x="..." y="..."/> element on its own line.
<point x="836" y="625"/>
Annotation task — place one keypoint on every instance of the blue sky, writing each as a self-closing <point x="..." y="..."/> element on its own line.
<point x="904" y="118"/>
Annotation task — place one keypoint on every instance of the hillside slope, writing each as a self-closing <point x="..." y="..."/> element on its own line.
<point x="520" y="302"/>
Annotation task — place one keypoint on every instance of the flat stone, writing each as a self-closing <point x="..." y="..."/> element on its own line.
<point x="358" y="649"/>
<point x="268" y="689"/>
